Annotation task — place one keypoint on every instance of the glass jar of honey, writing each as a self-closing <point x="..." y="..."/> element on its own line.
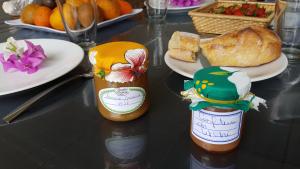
<point x="120" y="79"/>
<point x="220" y="97"/>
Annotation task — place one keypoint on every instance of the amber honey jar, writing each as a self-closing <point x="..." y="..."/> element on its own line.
<point x="220" y="97"/>
<point x="120" y="79"/>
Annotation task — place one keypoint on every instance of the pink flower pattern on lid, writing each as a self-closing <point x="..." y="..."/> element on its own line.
<point x="122" y="73"/>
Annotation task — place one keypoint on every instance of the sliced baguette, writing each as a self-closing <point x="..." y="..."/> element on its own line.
<point x="183" y="55"/>
<point x="185" y="41"/>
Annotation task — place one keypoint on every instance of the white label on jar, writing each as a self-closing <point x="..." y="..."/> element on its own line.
<point x="217" y="127"/>
<point x="122" y="100"/>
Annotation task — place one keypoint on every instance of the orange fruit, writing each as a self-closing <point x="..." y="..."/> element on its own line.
<point x="86" y="14"/>
<point x="109" y="8"/>
<point x="56" y="21"/>
<point x="41" y="16"/>
<point x="28" y="12"/>
<point x="100" y="16"/>
<point x="75" y="3"/>
<point x="69" y="15"/>
<point x="125" y="7"/>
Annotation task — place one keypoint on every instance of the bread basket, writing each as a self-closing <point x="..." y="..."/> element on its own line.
<point x="206" y="22"/>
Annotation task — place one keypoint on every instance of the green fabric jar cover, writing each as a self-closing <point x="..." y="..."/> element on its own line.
<point x="221" y="87"/>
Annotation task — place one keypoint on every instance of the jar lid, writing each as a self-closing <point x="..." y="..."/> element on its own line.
<point x="219" y="86"/>
<point x="119" y="61"/>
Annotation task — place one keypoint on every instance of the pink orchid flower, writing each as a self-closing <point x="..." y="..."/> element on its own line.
<point x="128" y="72"/>
<point x="29" y="61"/>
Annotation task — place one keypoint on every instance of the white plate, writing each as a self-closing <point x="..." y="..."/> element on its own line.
<point x="257" y="73"/>
<point x="19" y="23"/>
<point x="63" y="56"/>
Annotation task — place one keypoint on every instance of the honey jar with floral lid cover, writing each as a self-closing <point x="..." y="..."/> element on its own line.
<point x="120" y="79"/>
<point x="220" y="97"/>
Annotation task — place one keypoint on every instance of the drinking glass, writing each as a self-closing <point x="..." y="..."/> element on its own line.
<point x="155" y="30"/>
<point x="287" y="25"/>
<point x="157" y="9"/>
<point x="80" y="21"/>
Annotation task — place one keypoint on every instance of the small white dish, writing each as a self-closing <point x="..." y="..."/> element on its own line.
<point x="63" y="56"/>
<point x="257" y="73"/>
<point x="19" y="23"/>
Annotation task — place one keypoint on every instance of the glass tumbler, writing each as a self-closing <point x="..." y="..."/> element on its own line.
<point x="157" y="9"/>
<point x="287" y="25"/>
<point x="80" y="21"/>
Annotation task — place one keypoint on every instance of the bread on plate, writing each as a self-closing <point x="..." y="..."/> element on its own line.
<point x="251" y="46"/>
<point x="185" y="41"/>
<point x="183" y="55"/>
<point x="183" y="46"/>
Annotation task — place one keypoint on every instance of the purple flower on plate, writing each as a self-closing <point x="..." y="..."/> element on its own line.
<point x="29" y="61"/>
<point x="184" y="3"/>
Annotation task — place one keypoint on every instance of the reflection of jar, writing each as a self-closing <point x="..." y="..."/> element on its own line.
<point x="219" y="99"/>
<point x="200" y="159"/>
<point x="125" y="144"/>
<point x="120" y="79"/>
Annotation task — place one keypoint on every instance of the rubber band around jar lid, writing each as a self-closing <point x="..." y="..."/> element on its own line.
<point x="224" y="101"/>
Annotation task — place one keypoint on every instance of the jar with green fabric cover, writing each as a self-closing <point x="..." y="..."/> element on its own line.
<point x="220" y="96"/>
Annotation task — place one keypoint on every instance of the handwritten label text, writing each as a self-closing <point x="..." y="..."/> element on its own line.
<point x="215" y="127"/>
<point x="122" y="100"/>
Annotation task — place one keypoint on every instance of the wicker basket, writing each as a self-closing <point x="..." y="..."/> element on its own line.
<point x="219" y="23"/>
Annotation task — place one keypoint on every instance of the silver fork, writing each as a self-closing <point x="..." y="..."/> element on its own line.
<point x="19" y="110"/>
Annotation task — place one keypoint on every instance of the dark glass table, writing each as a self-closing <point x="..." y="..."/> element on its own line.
<point x="65" y="131"/>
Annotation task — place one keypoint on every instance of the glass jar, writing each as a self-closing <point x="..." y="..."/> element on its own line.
<point x="120" y="80"/>
<point x="217" y="129"/>
<point x="219" y="97"/>
<point x="120" y="94"/>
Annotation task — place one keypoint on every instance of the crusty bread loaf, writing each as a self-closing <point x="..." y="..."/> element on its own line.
<point x="251" y="46"/>
<point x="180" y="54"/>
<point x="185" y="41"/>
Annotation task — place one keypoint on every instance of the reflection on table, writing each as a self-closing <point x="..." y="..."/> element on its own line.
<point x="125" y="144"/>
<point x="201" y="159"/>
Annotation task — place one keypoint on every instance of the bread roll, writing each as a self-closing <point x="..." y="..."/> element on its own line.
<point x="251" y="46"/>
<point x="185" y="41"/>
<point x="184" y="55"/>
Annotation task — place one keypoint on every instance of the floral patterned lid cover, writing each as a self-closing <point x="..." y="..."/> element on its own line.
<point x="222" y="87"/>
<point x="119" y="61"/>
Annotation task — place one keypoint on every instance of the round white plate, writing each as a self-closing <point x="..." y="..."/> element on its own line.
<point x="63" y="56"/>
<point x="257" y="73"/>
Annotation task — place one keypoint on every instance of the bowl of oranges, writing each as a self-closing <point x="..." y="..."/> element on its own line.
<point x="46" y="16"/>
